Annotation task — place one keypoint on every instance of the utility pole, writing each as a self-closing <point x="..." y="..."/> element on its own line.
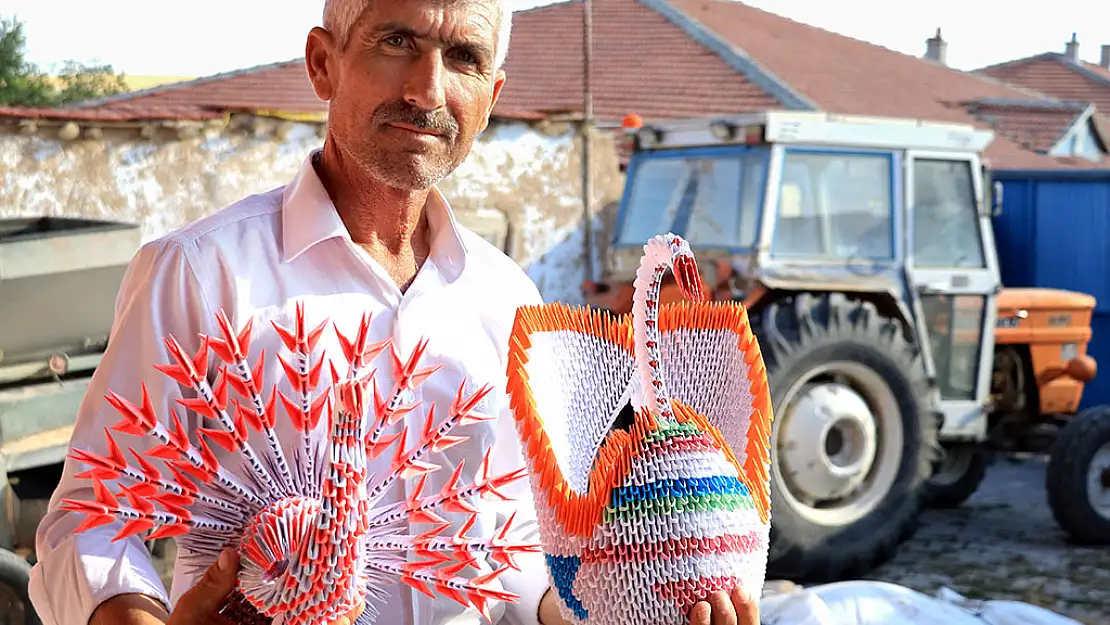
<point x="586" y="133"/>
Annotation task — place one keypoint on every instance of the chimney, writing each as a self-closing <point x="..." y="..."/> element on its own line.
<point x="935" y="48"/>
<point x="1104" y="60"/>
<point x="1072" y="49"/>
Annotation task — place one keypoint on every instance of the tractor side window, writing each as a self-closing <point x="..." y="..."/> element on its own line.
<point x="945" y="215"/>
<point x="656" y="191"/>
<point x="834" y="206"/>
<point x="713" y="219"/>
<point x="709" y="201"/>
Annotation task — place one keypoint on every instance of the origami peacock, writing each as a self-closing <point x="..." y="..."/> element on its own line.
<point x="309" y="522"/>
<point x="640" y="523"/>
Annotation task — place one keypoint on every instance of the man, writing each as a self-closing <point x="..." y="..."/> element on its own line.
<point x="410" y="83"/>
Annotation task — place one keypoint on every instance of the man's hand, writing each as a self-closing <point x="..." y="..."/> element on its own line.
<point x="200" y="605"/>
<point x="719" y="609"/>
<point x="549" y="609"/>
<point x="723" y="609"/>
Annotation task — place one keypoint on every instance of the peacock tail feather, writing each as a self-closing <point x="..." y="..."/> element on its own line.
<point x="310" y="522"/>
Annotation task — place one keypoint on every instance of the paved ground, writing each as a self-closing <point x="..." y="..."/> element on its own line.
<point x="1003" y="544"/>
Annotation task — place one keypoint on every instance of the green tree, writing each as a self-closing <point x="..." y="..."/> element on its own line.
<point x="20" y="82"/>
<point x="78" y="82"/>
<point x="23" y="84"/>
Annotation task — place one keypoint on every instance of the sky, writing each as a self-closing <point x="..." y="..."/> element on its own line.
<point x="203" y="37"/>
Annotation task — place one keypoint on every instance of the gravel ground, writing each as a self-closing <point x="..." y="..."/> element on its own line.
<point x="1004" y="544"/>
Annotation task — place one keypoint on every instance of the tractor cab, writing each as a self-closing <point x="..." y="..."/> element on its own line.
<point x="891" y="211"/>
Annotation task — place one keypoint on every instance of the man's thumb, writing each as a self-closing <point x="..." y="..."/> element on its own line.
<point x="217" y="583"/>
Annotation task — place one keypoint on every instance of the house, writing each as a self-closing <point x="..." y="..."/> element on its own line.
<point x="1064" y="76"/>
<point x="1067" y="77"/>
<point x="171" y="153"/>
<point x="1046" y="207"/>
<point x="676" y="58"/>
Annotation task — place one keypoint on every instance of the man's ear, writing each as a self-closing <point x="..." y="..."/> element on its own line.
<point x="495" y="93"/>
<point x="321" y="52"/>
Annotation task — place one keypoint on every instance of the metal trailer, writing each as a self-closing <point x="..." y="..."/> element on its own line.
<point x="59" y="278"/>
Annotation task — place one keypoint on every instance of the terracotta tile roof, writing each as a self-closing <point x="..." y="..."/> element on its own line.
<point x="642" y="62"/>
<point x="544" y="64"/>
<point x="1036" y="125"/>
<point x="1057" y="76"/>
<point x="279" y="86"/>
<point x="842" y="74"/>
<point x="679" y="58"/>
<point x="675" y="58"/>
<point x="114" y="114"/>
<point x="846" y="75"/>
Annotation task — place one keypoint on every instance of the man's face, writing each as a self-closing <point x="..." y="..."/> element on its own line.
<point x="411" y="89"/>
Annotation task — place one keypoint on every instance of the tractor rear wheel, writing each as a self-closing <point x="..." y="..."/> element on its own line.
<point x="853" y="439"/>
<point x="1077" y="479"/>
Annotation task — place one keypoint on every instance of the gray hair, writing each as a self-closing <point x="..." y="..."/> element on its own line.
<point x="340" y="17"/>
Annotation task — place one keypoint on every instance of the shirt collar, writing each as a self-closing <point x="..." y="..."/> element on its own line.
<point x="309" y="217"/>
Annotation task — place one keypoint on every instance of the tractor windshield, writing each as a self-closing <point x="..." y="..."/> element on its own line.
<point x="834" y="206"/>
<point x="710" y="197"/>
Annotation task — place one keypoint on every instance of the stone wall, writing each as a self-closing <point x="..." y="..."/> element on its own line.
<point x="523" y="181"/>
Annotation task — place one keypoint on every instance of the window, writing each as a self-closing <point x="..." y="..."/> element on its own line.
<point x="834" y="206"/>
<point x="955" y="325"/>
<point x="945" y="216"/>
<point x="1083" y="142"/>
<point x="711" y="201"/>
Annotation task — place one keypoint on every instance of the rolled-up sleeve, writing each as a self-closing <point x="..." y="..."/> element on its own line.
<point x="76" y="572"/>
<point x="531" y="582"/>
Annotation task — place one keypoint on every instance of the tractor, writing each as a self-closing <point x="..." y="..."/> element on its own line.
<point x="863" y="252"/>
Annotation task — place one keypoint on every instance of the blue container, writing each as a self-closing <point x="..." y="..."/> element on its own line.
<point x="1098" y="391"/>
<point x="1054" y="232"/>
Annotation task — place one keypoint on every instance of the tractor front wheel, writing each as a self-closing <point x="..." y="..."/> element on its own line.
<point x="853" y="440"/>
<point x="1078" y="477"/>
<point x="15" y="601"/>
<point x="959" y="474"/>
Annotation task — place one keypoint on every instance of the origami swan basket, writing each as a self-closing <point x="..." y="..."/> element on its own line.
<point x="640" y="524"/>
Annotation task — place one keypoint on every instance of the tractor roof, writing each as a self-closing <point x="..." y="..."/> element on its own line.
<point x="811" y="128"/>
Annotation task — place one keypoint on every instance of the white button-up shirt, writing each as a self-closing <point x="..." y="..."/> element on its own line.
<point x="256" y="259"/>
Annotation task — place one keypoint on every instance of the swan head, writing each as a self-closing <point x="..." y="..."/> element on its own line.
<point x="685" y="269"/>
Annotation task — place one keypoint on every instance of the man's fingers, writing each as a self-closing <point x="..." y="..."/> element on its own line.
<point x="701" y="613"/>
<point x="350" y="617"/>
<point x="723" y="612"/>
<point x="219" y="580"/>
<point x="747" y="607"/>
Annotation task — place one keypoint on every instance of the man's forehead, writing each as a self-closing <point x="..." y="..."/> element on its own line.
<point x="464" y="18"/>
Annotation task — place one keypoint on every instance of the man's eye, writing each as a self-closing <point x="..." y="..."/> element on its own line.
<point x="395" y="41"/>
<point x="465" y="57"/>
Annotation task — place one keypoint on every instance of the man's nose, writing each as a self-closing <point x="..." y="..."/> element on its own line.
<point x="424" y="87"/>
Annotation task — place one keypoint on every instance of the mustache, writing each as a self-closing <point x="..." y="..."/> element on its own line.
<point x="404" y="113"/>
